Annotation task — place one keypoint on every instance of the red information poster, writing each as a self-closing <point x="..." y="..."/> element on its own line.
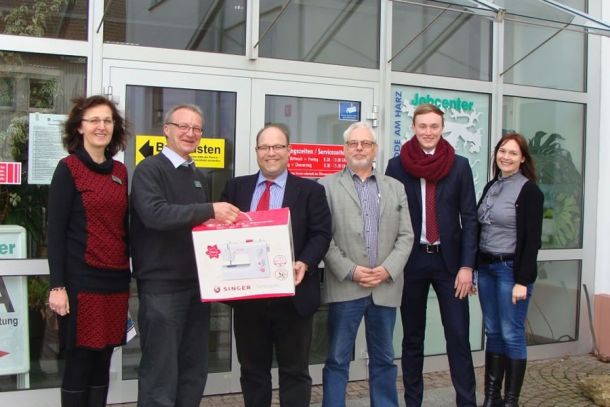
<point x="315" y="160"/>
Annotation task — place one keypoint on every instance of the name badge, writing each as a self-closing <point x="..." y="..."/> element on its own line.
<point x="117" y="180"/>
<point x="198" y="184"/>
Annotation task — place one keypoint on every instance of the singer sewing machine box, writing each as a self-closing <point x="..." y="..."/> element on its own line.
<point x="251" y="258"/>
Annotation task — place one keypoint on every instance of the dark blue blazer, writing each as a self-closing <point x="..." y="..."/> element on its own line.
<point x="311" y="229"/>
<point x="455" y="210"/>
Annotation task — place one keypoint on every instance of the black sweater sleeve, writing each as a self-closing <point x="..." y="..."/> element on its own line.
<point x="61" y="197"/>
<point x="530" y="204"/>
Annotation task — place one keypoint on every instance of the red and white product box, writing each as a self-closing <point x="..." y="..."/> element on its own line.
<point x="251" y="258"/>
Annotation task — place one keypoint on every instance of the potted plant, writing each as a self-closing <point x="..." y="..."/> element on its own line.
<point x="561" y="183"/>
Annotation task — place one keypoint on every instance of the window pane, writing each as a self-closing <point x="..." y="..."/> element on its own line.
<point x="310" y="120"/>
<point x="36" y="94"/>
<point x="339" y="32"/>
<point x="553" y="309"/>
<point x="429" y="41"/>
<point x="558" y="64"/>
<point x="555" y="131"/>
<point x="66" y="19"/>
<point x="200" y="25"/>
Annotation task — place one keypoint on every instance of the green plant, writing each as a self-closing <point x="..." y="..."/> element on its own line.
<point x="561" y="183"/>
<point x="22" y="204"/>
<point x="38" y="292"/>
<point x="32" y="19"/>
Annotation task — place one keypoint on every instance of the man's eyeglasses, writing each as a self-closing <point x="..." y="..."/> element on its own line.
<point x="184" y="128"/>
<point x="96" y="121"/>
<point x="277" y="147"/>
<point x="366" y="145"/>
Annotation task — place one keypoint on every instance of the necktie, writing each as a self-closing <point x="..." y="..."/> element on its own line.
<point x="263" y="202"/>
<point x="432" y="233"/>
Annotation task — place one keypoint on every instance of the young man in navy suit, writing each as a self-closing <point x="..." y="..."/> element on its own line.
<point x="281" y="324"/>
<point x="440" y="192"/>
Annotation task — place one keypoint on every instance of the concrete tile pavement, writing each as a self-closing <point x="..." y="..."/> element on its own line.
<point x="550" y="382"/>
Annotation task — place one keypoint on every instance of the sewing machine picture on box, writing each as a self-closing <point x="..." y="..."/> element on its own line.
<point x="244" y="260"/>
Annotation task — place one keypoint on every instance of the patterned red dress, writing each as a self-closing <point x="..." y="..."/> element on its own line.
<point x="88" y="251"/>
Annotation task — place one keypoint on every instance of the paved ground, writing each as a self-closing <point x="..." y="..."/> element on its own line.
<point x="552" y="382"/>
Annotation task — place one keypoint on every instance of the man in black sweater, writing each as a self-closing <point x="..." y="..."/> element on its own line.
<point x="168" y="198"/>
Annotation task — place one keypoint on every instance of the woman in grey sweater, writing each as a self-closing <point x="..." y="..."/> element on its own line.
<point x="510" y="220"/>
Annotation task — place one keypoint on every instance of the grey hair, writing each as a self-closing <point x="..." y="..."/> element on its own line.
<point x="192" y="108"/>
<point x="359" y="125"/>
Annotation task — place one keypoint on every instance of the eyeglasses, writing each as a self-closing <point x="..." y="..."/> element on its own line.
<point x="184" y="128"/>
<point x="277" y="147"/>
<point x="96" y="121"/>
<point x="366" y="145"/>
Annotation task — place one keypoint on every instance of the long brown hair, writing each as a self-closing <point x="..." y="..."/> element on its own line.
<point x="527" y="167"/>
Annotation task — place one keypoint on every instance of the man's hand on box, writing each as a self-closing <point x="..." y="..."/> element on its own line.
<point x="225" y="212"/>
<point x="300" y="269"/>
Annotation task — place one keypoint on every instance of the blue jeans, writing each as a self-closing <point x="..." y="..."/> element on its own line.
<point x="343" y="321"/>
<point x="504" y="321"/>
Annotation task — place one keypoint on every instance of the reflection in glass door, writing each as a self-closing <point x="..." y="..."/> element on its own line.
<point x="145" y="108"/>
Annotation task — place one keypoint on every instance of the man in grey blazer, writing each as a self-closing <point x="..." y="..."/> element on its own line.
<point x="372" y="240"/>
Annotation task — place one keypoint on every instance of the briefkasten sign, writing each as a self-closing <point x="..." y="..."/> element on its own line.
<point x="249" y="259"/>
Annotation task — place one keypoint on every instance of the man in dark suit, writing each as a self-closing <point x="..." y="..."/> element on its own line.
<point x="283" y="324"/>
<point x="441" y="198"/>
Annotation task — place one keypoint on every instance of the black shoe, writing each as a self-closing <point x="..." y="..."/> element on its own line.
<point x="515" y="372"/>
<point x="97" y="396"/>
<point x="71" y="398"/>
<point x="494" y="373"/>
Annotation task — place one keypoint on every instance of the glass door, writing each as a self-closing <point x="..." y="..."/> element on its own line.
<point x="316" y="116"/>
<point x="235" y="108"/>
<point x="145" y="95"/>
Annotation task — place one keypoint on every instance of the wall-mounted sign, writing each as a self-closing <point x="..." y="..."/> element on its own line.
<point x="14" y="335"/>
<point x="10" y="173"/>
<point x="315" y="160"/>
<point x="210" y="152"/>
<point x="45" y="147"/>
<point x="349" y="111"/>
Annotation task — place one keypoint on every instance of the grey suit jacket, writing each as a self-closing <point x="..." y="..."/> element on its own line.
<point x="347" y="247"/>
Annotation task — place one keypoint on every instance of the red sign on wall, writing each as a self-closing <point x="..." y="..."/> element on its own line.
<point x="10" y="173"/>
<point x="315" y="160"/>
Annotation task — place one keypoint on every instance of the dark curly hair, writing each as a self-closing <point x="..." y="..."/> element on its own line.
<point x="73" y="140"/>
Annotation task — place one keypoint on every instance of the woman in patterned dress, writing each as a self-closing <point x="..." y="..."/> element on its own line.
<point x="88" y="251"/>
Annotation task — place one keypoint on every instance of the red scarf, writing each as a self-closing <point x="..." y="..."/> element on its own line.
<point x="431" y="167"/>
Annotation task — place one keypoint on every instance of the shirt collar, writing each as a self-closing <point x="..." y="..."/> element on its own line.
<point x="352" y="173"/>
<point x="175" y="158"/>
<point x="280" y="180"/>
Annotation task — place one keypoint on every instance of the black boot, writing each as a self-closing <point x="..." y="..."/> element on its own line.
<point x="71" y="398"/>
<point x="515" y="372"/>
<point x="97" y="396"/>
<point x="494" y="373"/>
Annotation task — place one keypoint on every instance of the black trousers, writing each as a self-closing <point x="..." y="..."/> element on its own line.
<point x="261" y="327"/>
<point x="174" y="340"/>
<point x="425" y="270"/>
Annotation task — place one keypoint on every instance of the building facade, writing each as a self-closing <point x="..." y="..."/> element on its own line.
<point x="534" y="66"/>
